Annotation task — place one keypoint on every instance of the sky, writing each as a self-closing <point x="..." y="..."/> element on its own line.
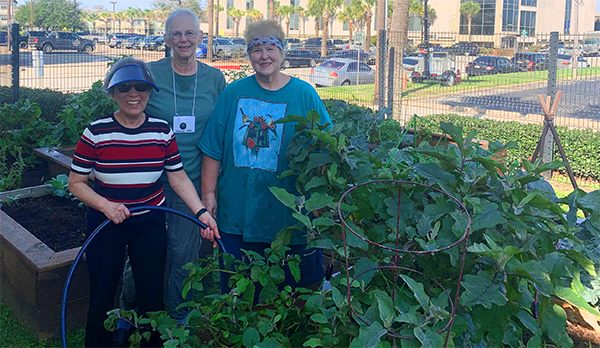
<point x="123" y="4"/>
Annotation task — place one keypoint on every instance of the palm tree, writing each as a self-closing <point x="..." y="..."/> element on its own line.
<point x="271" y="9"/>
<point x="218" y="9"/>
<point x="209" y="43"/>
<point x="106" y="17"/>
<point x="254" y="14"/>
<point x="303" y="17"/>
<point x="398" y="36"/>
<point x="368" y="10"/>
<point x="469" y="9"/>
<point x="286" y="11"/>
<point x="329" y="9"/>
<point x="236" y="16"/>
<point x="315" y="10"/>
<point x="347" y="16"/>
<point x="417" y="8"/>
<point x="131" y="14"/>
<point x="93" y="17"/>
<point x="149" y="16"/>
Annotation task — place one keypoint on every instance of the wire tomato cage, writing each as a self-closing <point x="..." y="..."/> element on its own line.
<point x="451" y="221"/>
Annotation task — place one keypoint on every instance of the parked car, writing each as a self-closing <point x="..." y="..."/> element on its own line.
<point x="201" y="51"/>
<point x="238" y="41"/>
<point x="422" y="47"/>
<point x="565" y="61"/>
<point x="314" y="44"/>
<point x="33" y="36"/>
<point x="339" y="44"/>
<point x="223" y="48"/>
<point x="464" y="49"/>
<point x="64" y="40"/>
<point x="133" y="42"/>
<point x="350" y="54"/>
<point x="116" y="40"/>
<point x="489" y="65"/>
<point x="530" y="61"/>
<point x="152" y="42"/>
<point x="291" y="43"/>
<point x="341" y="72"/>
<point x="298" y="57"/>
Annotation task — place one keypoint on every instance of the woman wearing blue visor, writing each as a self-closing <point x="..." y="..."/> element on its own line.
<point x="127" y="151"/>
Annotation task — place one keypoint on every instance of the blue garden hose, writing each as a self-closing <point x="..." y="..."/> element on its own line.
<point x="88" y="241"/>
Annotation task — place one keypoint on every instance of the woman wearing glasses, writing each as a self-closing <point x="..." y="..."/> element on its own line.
<point x="128" y="151"/>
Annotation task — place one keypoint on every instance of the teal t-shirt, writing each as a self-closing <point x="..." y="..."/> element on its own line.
<point x="211" y="83"/>
<point x="241" y="133"/>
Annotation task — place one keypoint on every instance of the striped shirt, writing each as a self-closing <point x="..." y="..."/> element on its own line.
<point x="127" y="163"/>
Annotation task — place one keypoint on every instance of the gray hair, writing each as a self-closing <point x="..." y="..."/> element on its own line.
<point x="266" y="27"/>
<point x="180" y="12"/>
<point x="118" y="64"/>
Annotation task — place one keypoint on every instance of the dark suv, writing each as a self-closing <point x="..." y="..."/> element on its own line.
<point x="314" y="44"/>
<point x="464" y="49"/>
<point x="116" y="40"/>
<point x="529" y="61"/>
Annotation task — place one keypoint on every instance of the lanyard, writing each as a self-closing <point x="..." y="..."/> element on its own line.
<point x="175" y="92"/>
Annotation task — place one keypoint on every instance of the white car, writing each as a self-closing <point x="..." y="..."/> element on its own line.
<point x="341" y="72"/>
<point x="565" y="61"/>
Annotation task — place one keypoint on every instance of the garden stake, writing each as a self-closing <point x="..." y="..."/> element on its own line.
<point x="461" y="242"/>
<point x="549" y="126"/>
<point x="86" y="244"/>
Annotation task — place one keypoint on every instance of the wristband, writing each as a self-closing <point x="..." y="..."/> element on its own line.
<point x="200" y="212"/>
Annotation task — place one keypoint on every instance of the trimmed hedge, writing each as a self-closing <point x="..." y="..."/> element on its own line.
<point x="582" y="147"/>
<point x="50" y="101"/>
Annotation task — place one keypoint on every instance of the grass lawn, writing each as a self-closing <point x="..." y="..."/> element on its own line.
<point x="13" y="334"/>
<point x="365" y="93"/>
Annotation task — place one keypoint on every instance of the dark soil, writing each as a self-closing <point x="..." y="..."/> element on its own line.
<point x="56" y="221"/>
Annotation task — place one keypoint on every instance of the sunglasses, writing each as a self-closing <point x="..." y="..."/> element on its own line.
<point x="140" y="87"/>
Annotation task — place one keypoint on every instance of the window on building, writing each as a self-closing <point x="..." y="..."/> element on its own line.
<point x="568" y="6"/>
<point x="483" y="22"/>
<point x="294" y="17"/>
<point x="230" y="23"/>
<point x="249" y="4"/>
<point x="528" y="22"/>
<point x="510" y="15"/>
<point x="529" y="2"/>
<point x="3" y="7"/>
<point x="415" y="22"/>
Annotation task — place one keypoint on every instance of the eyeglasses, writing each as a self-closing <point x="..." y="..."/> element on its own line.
<point x="190" y="34"/>
<point x="140" y="87"/>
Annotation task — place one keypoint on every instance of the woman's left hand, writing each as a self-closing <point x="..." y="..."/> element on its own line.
<point x="212" y="231"/>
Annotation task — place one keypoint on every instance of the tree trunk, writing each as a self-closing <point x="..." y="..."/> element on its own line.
<point x="271" y="9"/>
<point x="209" y="43"/>
<point x="379" y="97"/>
<point x="217" y="18"/>
<point x="325" y="34"/>
<point x="316" y="27"/>
<point x="398" y="36"/>
<point x="237" y="28"/>
<point x="287" y="26"/>
<point x="368" y="32"/>
<point x="350" y="31"/>
<point x="469" y="27"/>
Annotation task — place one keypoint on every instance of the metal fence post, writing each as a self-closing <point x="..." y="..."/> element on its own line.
<point x="390" y="90"/>
<point x="14" y="33"/>
<point x="382" y="45"/>
<point x="548" y="145"/>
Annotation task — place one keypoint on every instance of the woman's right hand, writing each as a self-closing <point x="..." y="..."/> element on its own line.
<point x="116" y="212"/>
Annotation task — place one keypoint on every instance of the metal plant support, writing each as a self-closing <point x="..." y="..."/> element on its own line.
<point x="397" y="250"/>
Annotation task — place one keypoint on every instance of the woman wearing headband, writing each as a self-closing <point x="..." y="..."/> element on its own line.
<point x="244" y="153"/>
<point x="127" y="151"/>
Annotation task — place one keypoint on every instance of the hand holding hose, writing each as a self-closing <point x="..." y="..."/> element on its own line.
<point x="115" y="212"/>
<point x="212" y="231"/>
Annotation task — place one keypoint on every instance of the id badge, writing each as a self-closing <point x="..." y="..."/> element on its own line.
<point x="184" y="124"/>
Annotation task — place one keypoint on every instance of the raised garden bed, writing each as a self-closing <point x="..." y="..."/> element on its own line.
<point x="33" y="275"/>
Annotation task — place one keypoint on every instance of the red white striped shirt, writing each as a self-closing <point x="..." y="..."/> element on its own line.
<point x="127" y="163"/>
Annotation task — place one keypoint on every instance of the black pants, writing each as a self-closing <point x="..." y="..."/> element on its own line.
<point x="144" y="238"/>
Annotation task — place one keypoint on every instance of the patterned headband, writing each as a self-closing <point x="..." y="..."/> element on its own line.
<point x="265" y="40"/>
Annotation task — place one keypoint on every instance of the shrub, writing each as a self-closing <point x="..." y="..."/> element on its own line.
<point x="50" y="101"/>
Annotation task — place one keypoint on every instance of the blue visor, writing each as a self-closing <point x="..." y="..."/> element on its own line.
<point x="131" y="72"/>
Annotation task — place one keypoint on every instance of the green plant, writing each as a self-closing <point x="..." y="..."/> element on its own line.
<point x="50" y="101"/>
<point x="234" y="75"/>
<point x="21" y="131"/>
<point x="60" y="188"/>
<point x="82" y="109"/>
<point x="512" y="266"/>
<point x="11" y="167"/>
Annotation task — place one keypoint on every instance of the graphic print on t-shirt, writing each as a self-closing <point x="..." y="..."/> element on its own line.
<point x="256" y="137"/>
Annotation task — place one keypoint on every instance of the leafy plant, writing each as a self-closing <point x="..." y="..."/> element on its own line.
<point x="234" y="75"/>
<point x="82" y="109"/>
<point x="60" y="188"/>
<point x="512" y="267"/>
<point x="50" y="101"/>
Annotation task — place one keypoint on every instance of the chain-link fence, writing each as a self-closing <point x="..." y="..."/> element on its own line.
<point x="499" y="77"/>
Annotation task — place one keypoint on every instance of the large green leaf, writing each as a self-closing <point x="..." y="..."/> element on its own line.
<point x="369" y="336"/>
<point x="590" y="201"/>
<point x="490" y="217"/>
<point x="433" y="173"/>
<point x="250" y="337"/>
<point x="428" y="338"/>
<point x="317" y="201"/>
<point x="288" y="199"/>
<point x="484" y="289"/>
<point x="418" y="290"/>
